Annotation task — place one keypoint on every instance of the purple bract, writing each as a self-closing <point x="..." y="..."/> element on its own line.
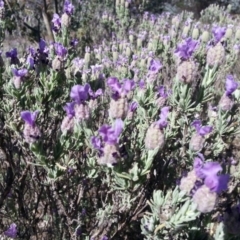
<point x="29" y="117"/>
<point x="185" y="50"/>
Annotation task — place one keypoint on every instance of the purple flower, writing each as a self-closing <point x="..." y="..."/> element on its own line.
<point x="12" y="231"/>
<point x="141" y="84"/>
<point x="1" y="4"/>
<point x="162" y="122"/>
<point x="186" y="49"/>
<point x="12" y="53"/>
<point x="56" y="21"/>
<point x="162" y="92"/>
<point x="74" y="42"/>
<point x="19" y="73"/>
<point x="96" y="94"/>
<point x="30" y="61"/>
<point x="68" y="7"/>
<point x="42" y="47"/>
<point x="69" y="108"/>
<point x="29" y="117"/>
<point x="217" y="183"/>
<point x="231" y="85"/>
<point x="133" y="106"/>
<point x="201" y="130"/>
<point x="155" y="66"/>
<point x="209" y="172"/>
<point x="79" y="93"/>
<point x="96" y="143"/>
<point x="110" y="134"/>
<point x="118" y="88"/>
<point x="218" y="33"/>
<point x="198" y="164"/>
<point x="60" y="50"/>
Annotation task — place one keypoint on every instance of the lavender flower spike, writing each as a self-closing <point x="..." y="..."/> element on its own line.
<point x="12" y="231"/>
<point x="231" y="85"/>
<point x="29" y="117"/>
<point x="20" y="73"/>
<point x="186" y="49"/>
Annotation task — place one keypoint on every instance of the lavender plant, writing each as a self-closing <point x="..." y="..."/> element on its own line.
<point x="133" y="139"/>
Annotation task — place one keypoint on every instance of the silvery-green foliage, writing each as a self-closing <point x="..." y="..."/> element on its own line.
<point x="60" y="177"/>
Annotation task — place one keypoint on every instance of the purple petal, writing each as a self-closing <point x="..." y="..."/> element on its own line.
<point x="210" y="169"/>
<point x="197" y="124"/>
<point x="197" y="165"/>
<point x="69" y="108"/>
<point x="217" y="183"/>
<point x="128" y="85"/>
<point x="68" y="7"/>
<point x="96" y="143"/>
<point x="204" y="130"/>
<point x="61" y="51"/>
<point x="29" y="117"/>
<point x="79" y="93"/>
<point x="114" y="84"/>
<point x="12" y="231"/>
<point x="164" y="112"/>
<point x="155" y="66"/>
<point x="133" y="106"/>
<point x="231" y="85"/>
<point x="218" y="33"/>
<point x="118" y="127"/>
<point x="162" y="92"/>
<point x="186" y="49"/>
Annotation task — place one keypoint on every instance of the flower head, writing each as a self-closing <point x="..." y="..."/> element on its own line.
<point x="201" y="130"/>
<point x="60" y="50"/>
<point x="118" y="88"/>
<point x="29" y="117"/>
<point x="186" y="49"/>
<point x="68" y="7"/>
<point x="12" y="231"/>
<point x="231" y="85"/>
<point x="56" y="21"/>
<point x="1" y="3"/>
<point x="19" y="73"/>
<point x="162" y="92"/>
<point x="155" y="66"/>
<point x="218" y="33"/>
<point x="110" y="134"/>
<point x="69" y="108"/>
<point x="96" y="94"/>
<point x="80" y="93"/>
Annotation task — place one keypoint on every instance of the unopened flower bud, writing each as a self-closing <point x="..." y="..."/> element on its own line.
<point x="87" y="57"/>
<point x="110" y="155"/>
<point x="195" y="33"/>
<point x="175" y="21"/>
<point x="205" y="199"/>
<point x="215" y="55"/>
<point x="81" y="112"/>
<point x="118" y="108"/>
<point x="139" y="42"/>
<point x="186" y="31"/>
<point x="17" y="82"/>
<point x="154" y="137"/>
<point x="31" y="133"/>
<point x="187" y="183"/>
<point x="225" y="103"/>
<point x="65" y="20"/>
<point x="237" y="35"/>
<point x="205" y="36"/>
<point x="186" y="71"/>
<point x="67" y="124"/>
<point x="229" y="33"/>
<point x="196" y="142"/>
